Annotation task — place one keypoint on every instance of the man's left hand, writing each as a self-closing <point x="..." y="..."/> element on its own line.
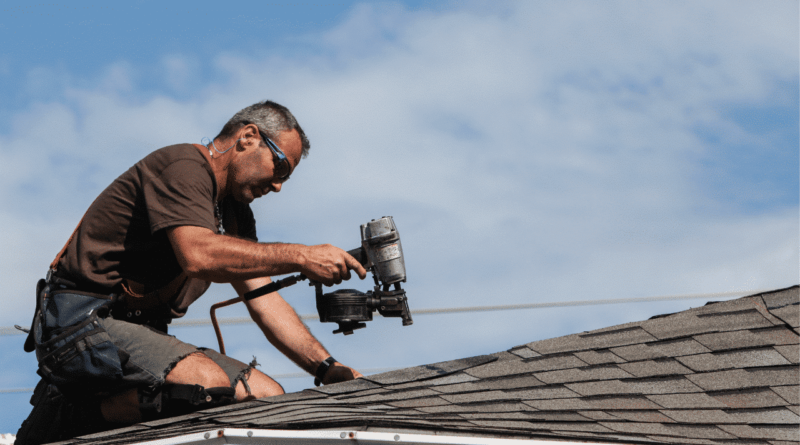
<point x="340" y="373"/>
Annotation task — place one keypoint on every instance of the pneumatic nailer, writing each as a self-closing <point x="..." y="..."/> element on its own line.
<point x="382" y="254"/>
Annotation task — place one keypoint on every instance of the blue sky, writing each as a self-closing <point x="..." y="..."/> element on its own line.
<point x="528" y="151"/>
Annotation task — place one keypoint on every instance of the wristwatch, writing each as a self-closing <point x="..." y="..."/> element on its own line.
<point x="323" y="369"/>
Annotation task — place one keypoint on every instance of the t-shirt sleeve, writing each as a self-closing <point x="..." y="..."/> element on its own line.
<point x="181" y="195"/>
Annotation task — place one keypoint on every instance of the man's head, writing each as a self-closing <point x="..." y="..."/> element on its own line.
<point x="269" y="117"/>
<point x="269" y="144"/>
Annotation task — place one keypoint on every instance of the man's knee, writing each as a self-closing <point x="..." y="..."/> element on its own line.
<point x="254" y="384"/>
<point x="198" y="369"/>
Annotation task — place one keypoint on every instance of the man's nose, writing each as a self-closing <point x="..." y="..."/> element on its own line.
<point x="276" y="187"/>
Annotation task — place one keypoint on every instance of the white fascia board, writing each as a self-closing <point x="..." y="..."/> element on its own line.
<point x="241" y="436"/>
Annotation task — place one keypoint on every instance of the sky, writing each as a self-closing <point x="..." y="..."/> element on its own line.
<point x="529" y="152"/>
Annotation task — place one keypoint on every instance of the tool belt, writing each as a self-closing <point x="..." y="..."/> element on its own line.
<point x="71" y="346"/>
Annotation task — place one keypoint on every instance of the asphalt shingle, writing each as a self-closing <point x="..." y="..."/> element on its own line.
<point x="422" y="402"/>
<point x="524" y="352"/>
<point x="391" y="396"/>
<point x="597" y="415"/>
<point x="777" y="335"/>
<point x="783" y="297"/>
<point x="571" y="426"/>
<point x="667" y="385"/>
<point x="599" y="357"/>
<point x="746" y="378"/>
<point x="346" y="387"/>
<point x="789" y="314"/>
<point x="750" y="358"/>
<point x="749" y="398"/>
<point x="789" y="393"/>
<point x="641" y="416"/>
<point x="702" y="432"/>
<point x="668" y="348"/>
<point x="560" y="404"/>
<point x="546" y="392"/>
<point x="429" y="371"/>
<point x="652" y="368"/>
<point x="601" y="340"/>
<point x="790" y="352"/>
<point x="511" y="367"/>
<point x="780" y="432"/>
<point x="764" y="415"/>
<point x="708" y="416"/>
<point x="697" y="400"/>
<point x="482" y="408"/>
<point x="459" y="377"/>
<point x="597" y="372"/>
<point x="621" y="403"/>
<point x="525" y="381"/>
<point x="677" y="326"/>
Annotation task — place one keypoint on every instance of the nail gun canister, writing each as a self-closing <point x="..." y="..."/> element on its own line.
<point x="381" y="242"/>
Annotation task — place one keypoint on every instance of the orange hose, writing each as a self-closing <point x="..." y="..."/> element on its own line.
<point x="216" y="325"/>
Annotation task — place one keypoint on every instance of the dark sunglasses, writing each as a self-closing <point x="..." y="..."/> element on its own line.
<point x="281" y="167"/>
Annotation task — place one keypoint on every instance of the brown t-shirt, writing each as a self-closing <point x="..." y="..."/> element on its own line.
<point x="122" y="235"/>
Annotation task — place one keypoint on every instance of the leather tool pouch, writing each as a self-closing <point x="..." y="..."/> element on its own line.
<point x="71" y="346"/>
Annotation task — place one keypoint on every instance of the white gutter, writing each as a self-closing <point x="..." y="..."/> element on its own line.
<point x="338" y="437"/>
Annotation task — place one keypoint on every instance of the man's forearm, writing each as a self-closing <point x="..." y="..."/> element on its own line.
<point x="223" y="259"/>
<point x="284" y="329"/>
<point x="226" y="259"/>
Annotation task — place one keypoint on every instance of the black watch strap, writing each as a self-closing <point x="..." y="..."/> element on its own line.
<point x="323" y="369"/>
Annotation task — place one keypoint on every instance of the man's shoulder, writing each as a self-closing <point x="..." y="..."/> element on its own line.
<point x="165" y="156"/>
<point x="174" y="160"/>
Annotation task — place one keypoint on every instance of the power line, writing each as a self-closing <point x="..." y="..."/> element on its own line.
<point x="247" y="320"/>
<point x="8" y="330"/>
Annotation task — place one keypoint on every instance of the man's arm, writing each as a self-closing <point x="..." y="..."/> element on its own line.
<point x="284" y="329"/>
<point x="223" y="259"/>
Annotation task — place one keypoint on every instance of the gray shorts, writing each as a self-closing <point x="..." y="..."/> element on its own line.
<point x="151" y="354"/>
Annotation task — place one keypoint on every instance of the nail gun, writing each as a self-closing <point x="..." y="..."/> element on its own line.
<point x="382" y="254"/>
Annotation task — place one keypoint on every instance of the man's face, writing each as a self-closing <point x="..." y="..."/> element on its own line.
<point x="252" y="175"/>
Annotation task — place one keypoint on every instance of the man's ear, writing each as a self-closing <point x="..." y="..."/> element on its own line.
<point x="249" y="137"/>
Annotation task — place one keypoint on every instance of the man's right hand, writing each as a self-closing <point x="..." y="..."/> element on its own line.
<point x="329" y="264"/>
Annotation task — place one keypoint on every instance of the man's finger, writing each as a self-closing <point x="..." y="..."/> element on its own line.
<point x="344" y="271"/>
<point x="352" y="263"/>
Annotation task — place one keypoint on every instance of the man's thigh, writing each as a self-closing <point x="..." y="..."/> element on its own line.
<point x="151" y="353"/>
<point x="154" y="355"/>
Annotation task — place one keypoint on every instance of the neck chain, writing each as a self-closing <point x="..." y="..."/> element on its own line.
<point x="218" y="214"/>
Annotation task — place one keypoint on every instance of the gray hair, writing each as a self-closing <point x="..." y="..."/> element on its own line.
<point x="269" y="117"/>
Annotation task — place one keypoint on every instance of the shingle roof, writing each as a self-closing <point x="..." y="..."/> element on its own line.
<point x="723" y="373"/>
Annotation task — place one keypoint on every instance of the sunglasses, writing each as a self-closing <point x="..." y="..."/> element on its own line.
<point x="281" y="167"/>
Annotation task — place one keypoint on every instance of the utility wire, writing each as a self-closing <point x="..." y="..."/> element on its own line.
<point x="246" y="320"/>
<point x="9" y="330"/>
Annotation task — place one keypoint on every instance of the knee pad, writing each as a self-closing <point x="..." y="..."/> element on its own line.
<point x="174" y="400"/>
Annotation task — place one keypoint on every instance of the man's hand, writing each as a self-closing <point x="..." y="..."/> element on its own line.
<point x="340" y="373"/>
<point x="329" y="264"/>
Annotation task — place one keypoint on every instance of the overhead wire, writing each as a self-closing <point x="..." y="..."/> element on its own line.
<point x="7" y="330"/>
<point x="10" y="330"/>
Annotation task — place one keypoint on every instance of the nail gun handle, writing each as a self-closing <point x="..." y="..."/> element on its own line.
<point x="274" y="286"/>
<point x="360" y="255"/>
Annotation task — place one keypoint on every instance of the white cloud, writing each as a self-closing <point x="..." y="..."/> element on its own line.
<point x="538" y="153"/>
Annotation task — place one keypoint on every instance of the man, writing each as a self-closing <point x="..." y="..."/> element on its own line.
<point x="147" y="248"/>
